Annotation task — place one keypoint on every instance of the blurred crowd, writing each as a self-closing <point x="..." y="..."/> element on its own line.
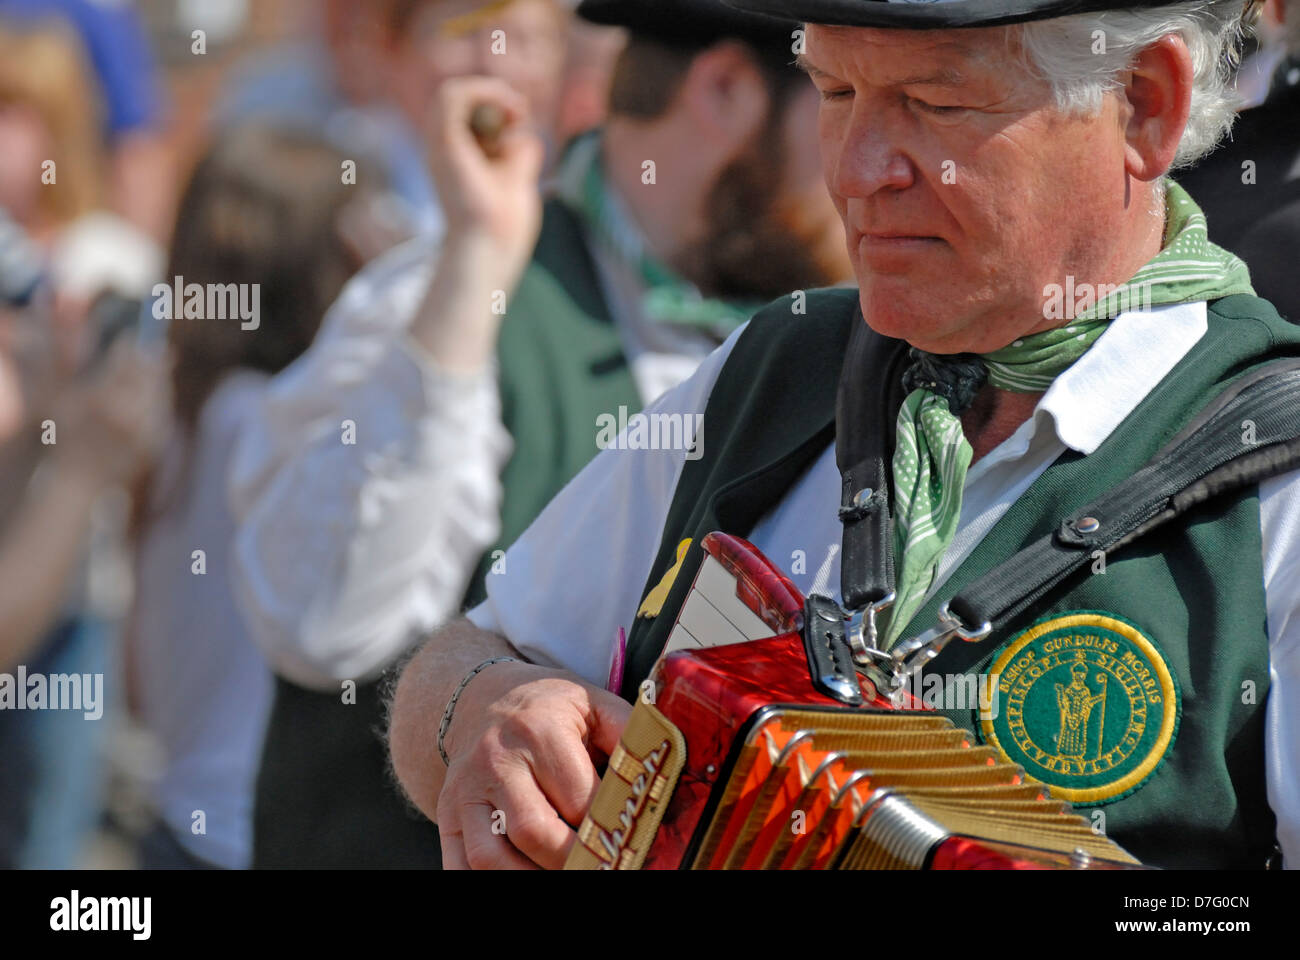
<point x="241" y="524"/>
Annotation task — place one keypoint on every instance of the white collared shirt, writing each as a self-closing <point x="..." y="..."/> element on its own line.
<point x="367" y="486"/>
<point x="577" y="574"/>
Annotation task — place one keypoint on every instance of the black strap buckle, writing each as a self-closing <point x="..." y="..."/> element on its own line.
<point x="830" y="659"/>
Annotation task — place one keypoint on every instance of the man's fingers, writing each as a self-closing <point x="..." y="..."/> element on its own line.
<point x="530" y="821"/>
<point x="459" y="97"/>
<point x="452" y="840"/>
<point x="606" y="717"/>
<point x="566" y="775"/>
<point x="564" y="767"/>
<point x="523" y="152"/>
<point x="488" y="845"/>
<point x="462" y="94"/>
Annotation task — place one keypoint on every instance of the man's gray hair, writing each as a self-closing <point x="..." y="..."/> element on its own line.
<point x="1082" y="63"/>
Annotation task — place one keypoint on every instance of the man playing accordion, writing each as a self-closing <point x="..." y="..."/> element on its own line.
<point x="1039" y="318"/>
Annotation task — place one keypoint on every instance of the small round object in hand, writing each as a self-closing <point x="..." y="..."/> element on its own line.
<point x="488" y="122"/>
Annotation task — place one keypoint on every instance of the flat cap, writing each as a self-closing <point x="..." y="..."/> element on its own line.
<point x="691" y="23"/>
<point x="933" y="14"/>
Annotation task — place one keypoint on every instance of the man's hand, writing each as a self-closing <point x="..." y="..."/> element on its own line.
<point x="490" y="198"/>
<point x="523" y="758"/>
<point x="493" y="208"/>
<point x="524" y="743"/>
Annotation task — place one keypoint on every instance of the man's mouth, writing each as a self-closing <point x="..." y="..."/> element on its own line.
<point x="891" y="237"/>
<point x="890" y="252"/>
<point x="895" y="252"/>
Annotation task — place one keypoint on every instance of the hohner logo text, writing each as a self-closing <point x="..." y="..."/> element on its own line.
<point x="613" y="841"/>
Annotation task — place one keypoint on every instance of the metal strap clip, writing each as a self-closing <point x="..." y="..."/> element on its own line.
<point x="861" y="630"/>
<point x="910" y="656"/>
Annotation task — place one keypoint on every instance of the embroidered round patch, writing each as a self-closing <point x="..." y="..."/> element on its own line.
<point x="1086" y="704"/>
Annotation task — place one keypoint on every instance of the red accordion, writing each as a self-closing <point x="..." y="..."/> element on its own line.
<point x="734" y="759"/>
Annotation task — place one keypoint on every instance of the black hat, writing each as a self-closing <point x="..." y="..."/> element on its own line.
<point x="692" y="23"/>
<point x="926" y="14"/>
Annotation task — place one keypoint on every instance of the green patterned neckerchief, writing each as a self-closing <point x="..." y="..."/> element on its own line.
<point x="668" y="298"/>
<point x="932" y="454"/>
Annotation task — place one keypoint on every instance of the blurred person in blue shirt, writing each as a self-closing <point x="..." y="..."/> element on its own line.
<point x="118" y="48"/>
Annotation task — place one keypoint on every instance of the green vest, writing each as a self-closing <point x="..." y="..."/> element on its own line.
<point x="325" y="797"/>
<point x="1194" y="588"/>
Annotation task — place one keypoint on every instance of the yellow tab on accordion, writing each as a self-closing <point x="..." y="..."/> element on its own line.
<point x="623" y="819"/>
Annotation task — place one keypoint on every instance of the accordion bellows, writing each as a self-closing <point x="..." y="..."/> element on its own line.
<point x="734" y="760"/>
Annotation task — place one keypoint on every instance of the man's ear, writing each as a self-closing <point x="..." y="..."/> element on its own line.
<point x="724" y="95"/>
<point x="1159" y="96"/>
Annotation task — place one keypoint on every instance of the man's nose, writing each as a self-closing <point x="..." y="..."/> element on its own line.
<point x="871" y="156"/>
<point x="493" y="60"/>
<point x="485" y="62"/>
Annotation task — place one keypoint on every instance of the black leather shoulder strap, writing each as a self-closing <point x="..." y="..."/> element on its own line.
<point x="866" y="411"/>
<point x="1248" y="433"/>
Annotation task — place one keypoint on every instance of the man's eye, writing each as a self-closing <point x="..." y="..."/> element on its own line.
<point x="935" y="108"/>
<point x="843" y="94"/>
